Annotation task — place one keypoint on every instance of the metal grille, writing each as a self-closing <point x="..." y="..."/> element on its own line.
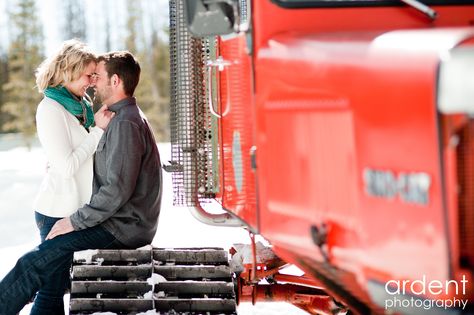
<point x="243" y="8"/>
<point x="466" y="195"/>
<point x="193" y="130"/>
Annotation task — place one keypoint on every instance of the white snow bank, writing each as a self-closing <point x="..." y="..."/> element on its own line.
<point x="21" y="172"/>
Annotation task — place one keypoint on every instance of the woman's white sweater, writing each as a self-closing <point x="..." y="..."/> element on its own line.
<point x="69" y="151"/>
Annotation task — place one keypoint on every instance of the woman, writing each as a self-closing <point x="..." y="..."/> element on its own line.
<point x="65" y="125"/>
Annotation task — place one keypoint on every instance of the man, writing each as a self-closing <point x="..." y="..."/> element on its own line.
<point x="125" y="203"/>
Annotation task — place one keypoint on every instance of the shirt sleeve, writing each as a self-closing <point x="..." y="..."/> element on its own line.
<point x="124" y="149"/>
<point x="54" y="134"/>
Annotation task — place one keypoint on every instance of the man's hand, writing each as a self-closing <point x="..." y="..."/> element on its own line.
<point x="103" y="117"/>
<point x="61" y="227"/>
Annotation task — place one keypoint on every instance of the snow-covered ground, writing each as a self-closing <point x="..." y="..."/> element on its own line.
<point x="21" y="171"/>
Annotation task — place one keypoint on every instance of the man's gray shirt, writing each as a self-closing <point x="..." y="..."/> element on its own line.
<point x="127" y="187"/>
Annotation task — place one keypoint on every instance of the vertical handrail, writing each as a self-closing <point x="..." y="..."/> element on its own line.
<point x="221" y="64"/>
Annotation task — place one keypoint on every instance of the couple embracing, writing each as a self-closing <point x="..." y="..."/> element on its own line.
<point x="103" y="183"/>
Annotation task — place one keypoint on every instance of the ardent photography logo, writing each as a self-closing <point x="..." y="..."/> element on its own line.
<point x="413" y="294"/>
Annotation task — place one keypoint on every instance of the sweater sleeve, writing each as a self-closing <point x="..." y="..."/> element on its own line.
<point x="54" y="134"/>
<point x="124" y="149"/>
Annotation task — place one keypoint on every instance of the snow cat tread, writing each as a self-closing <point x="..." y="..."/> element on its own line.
<point x="199" y="281"/>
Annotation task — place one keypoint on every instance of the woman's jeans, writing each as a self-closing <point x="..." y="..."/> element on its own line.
<point x="37" y="268"/>
<point x="49" y="299"/>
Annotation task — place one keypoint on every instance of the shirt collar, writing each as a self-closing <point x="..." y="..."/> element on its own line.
<point x="115" y="107"/>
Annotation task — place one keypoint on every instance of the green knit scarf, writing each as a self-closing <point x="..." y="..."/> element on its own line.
<point x="82" y="109"/>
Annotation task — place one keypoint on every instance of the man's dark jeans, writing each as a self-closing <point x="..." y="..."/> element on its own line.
<point x="37" y="267"/>
<point x="49" y="299"/>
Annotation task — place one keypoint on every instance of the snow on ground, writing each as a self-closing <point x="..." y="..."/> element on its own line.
<point x="21" y="171"/>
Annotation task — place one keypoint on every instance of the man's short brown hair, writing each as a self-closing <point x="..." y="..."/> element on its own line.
<point x="125" y="66"/>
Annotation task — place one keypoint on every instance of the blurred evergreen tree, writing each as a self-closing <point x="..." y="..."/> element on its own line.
<point x="159" y="72"/>
<point x="74" y="20"/>
<point x="3" y="80"/>
<point x="133" y="17"/>
<point x="106" y="16"/>
<point x="24" y="56"/>
<point x="153" y="54"/>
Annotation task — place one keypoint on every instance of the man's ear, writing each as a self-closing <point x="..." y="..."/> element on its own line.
<point x="115" y="80"/>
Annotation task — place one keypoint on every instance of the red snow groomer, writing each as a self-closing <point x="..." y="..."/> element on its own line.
<point x="343" y="133"/>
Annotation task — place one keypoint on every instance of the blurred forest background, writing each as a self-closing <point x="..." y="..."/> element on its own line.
<point x="32" y="29"/>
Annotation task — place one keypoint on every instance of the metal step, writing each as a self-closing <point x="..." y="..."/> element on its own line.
<point x="112" y="272"/>
<point x="199" y="281"/>
<point x="130" y="288"/>
<point x="141" y="287"/>
<point x="196" y="305"/>
<point x="180" y="256"/>
<point x="193" y="272"/>
<point x="124" y="256"/>
<point x="135" y="305"/>
<point x="109" y="305"/>
<point x="211" y="288"/>
<point x="191" y="256"/>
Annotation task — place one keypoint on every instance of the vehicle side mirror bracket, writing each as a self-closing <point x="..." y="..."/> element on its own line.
<point x="211" y="17"/>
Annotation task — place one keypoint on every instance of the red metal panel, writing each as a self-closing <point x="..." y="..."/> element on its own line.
<point x="237" y="130"/>
<point x="270" y="19"/>
<point x="328" y="107"/>
<point x="458" y="146"/>
<point x="466" y="217"/>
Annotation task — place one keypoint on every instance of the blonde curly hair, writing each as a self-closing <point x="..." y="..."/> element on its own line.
<point x="65" y="66"/>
